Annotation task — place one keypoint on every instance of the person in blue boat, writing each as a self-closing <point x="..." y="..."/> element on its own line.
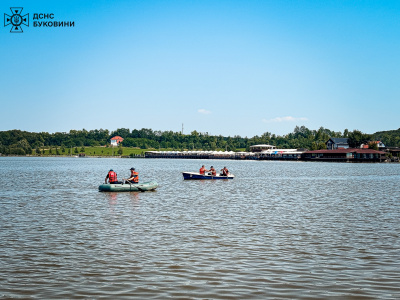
<point x="112" y="177"/>
<point x="203" y="170"/>
<point x="224" y="171"/>
<point x="212" y="171"/>
<point x="134" y="176"/>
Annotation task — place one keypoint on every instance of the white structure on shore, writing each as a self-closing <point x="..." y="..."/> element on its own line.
<point x="200" y="154"/>
<point x="260" y="148"/>
<point x="265" y="154"/>
<point x="281" y="153"/>
<point x="270" y="151"/>
<point x="116" y="140"/>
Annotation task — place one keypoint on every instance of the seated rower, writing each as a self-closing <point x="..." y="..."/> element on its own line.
<point x="112" y="177"/>
<point x="213" y="172"/>
<point x="134" y="178"/>
<point x="224" y="172"/>
<point x="203" y="170"/>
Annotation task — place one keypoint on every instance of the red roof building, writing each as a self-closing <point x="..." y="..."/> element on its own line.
<point x="378" y="143"/>
<point x="116" y="140"/>
<point x="350" y="154"/>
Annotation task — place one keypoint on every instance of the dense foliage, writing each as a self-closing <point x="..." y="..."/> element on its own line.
<point x="390" y="138"/>
<point x="19" y="142"/>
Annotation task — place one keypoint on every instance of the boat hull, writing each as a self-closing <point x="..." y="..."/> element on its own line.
<point x="126" y="187"/>
<point x="198" y="176"/>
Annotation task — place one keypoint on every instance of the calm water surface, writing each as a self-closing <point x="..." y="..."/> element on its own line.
<point x="278" y="230"/>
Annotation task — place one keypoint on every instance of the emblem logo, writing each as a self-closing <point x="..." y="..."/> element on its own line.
<point x="16" y="20"/>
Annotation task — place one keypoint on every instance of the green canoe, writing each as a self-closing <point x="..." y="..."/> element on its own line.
<point x="126" y="187"/>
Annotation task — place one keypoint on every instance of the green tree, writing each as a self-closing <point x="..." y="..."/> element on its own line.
<point x="373" y="146"/>
<point x="24" y="145"/>
<point x="356" y="138"/>
<point x="318" y="146"/>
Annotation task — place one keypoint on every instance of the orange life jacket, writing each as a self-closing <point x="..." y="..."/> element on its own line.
<point x="202" y="170"/>
<point x="112" y="176"/>
<point x="213" y="172"/>
<point x="135" y="179"/>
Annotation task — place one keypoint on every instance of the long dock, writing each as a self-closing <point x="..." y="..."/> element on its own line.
<point x="338" y="155"/>
<point x="223" y="155"/>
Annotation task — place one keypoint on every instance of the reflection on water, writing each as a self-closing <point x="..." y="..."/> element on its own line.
<point x="133" y="197"/>
<point x="278" y="230"/>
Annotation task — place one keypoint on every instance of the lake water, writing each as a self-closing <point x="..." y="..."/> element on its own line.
<point x="278" y="230"/>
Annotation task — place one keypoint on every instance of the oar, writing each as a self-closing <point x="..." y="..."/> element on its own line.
<point x="140" y="189"/>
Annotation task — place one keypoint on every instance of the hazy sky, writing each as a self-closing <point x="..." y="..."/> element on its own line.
<point x="222" y="67"/>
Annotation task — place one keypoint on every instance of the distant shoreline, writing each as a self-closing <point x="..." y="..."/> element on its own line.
<point x="143" y="157"/>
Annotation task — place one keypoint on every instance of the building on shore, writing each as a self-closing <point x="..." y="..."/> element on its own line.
<point x="345" y="155"/>
<point x="337" y="143"/>
<point x="116" y="140"/>
<point x="284" y="154"/>
<point x="337" y="155"/>
<point x="395" y="151"/>
<point x="272" y="154"/>
<point x="261" y="148"/>
<point x="201" y="154"/>
<point x="379" y="144"/>
<point x="338" y="150"/>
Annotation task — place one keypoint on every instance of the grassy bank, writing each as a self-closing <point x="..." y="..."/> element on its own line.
<point x="90" y="151"/>
<point x="100" y="151"/>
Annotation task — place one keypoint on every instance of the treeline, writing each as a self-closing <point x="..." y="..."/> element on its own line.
<point x="22" y="142"/>
<point x="390" y="138"/>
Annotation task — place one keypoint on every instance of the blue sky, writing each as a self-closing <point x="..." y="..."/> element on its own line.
<point x="222" y="67"/>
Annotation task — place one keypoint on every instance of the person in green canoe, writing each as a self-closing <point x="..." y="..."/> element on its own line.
<point x="112" y="177"/>
<point x="134" y="176"/>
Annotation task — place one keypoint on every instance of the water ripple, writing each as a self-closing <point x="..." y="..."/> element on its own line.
<point x="278" y="230"/>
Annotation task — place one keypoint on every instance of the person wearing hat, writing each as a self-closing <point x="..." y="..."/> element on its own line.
<point x="134" y="176"/>
<point x="112" y="177"/>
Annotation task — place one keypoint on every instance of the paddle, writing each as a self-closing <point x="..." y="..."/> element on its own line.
<point x="130" y="183"/>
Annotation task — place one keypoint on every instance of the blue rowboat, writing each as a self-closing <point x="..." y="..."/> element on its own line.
<point x="198" y="176"/>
